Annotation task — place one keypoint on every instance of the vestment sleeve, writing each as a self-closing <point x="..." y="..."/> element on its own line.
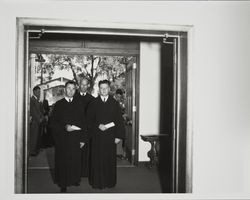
<point x="57" y="124"/>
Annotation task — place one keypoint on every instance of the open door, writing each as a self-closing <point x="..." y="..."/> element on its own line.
<point x="173" y="149"/>
<point x="167" y="147"/>
<point x="130" y="112"/>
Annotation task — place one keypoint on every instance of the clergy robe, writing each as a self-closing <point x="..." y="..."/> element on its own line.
<point x="67" y="144"/>
<point x="103" y="148"/>
<point x="85" y="151"/>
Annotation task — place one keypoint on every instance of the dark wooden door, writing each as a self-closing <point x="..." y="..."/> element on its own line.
<point x="167" y="145"/>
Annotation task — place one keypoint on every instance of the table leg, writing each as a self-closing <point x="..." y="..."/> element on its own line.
<point x="152" y="154"/>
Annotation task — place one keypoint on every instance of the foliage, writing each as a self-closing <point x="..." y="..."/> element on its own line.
<point x="93" y="67"/>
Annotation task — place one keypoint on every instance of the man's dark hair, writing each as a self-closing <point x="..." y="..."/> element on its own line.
<point x="70" y="82"/>
<point x="119" y="91"/>
<point x="104" y="82"/>
<point x="36" y="88"/>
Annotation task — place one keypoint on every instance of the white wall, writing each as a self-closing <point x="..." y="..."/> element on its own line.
<point x="219" y="80"/>
<point x="149" y="94"/>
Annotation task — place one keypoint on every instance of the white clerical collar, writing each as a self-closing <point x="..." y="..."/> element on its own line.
<point x="104" y="98"/>
<point x="69" y="99"/>
<point x="83" y="93"/>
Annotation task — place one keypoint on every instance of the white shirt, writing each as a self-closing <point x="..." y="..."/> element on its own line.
<point x="106" y="98"/>
<point x="35" y="97"/>
<point x="83" y="94"/>
<point x="67" y="99"/>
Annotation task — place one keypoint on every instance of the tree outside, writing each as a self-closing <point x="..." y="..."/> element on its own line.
<point x="73" y="67"/>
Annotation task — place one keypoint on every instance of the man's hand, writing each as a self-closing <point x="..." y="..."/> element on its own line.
<point x="69" y="128"/>
<point x="102" y="127"/>
<point x="82" y="144"/>
<point x="117" y="140"/>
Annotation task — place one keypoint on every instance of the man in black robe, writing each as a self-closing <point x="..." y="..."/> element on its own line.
<point x="69" y="131"/>
<point x="106" y="127"/>
<point x="86" y="98"/>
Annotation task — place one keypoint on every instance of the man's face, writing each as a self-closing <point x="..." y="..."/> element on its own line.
<point x="70" y="90"/>
<point x="84" y="86"/>
<point x="118" y="97"/>
<point x="104" y="89"/>
<point x="37" y="93"/>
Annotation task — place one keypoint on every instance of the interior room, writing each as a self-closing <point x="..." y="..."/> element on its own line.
<point x="47" y="47"/>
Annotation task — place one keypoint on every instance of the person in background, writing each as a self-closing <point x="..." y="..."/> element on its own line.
<point x="119" y="96"/>
<point x="36" y="120"/>
<point x="106" y="128"/>
<point x="85" y="98"/>
<point x="69" y="131"/>
<point x="45" y="130"/>
<point x="45" y="105"/>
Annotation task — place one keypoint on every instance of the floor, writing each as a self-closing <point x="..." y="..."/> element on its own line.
<point x="45" y="160"/>
<point x="130" y="179"/>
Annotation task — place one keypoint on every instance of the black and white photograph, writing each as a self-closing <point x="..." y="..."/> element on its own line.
<point x="125" y="99"/>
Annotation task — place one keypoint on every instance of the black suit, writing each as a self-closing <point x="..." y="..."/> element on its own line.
<point x="85" y="99"/>
<point x="36" y="114"/>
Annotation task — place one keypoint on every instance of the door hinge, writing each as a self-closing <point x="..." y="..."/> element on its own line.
<point x="133" y="152"/>
<point x="166" y="36"/>
<point x="134" y="109"/>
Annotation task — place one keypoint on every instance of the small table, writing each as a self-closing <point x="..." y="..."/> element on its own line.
<point x="153" y="153"/>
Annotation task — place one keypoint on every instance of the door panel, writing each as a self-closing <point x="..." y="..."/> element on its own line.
<point x="130" y="110"/>
<point x="167" y="116"/>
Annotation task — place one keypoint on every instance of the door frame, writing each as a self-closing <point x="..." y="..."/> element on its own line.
<point x="184" y="33"/>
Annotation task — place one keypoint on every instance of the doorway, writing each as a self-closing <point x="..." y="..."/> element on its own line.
<point x="51" y="71"/>
<point x="181" y="154"/>
<point x="71" y="57"/>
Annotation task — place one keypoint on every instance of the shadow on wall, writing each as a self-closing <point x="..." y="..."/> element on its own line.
<point x="166" y="111"/>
